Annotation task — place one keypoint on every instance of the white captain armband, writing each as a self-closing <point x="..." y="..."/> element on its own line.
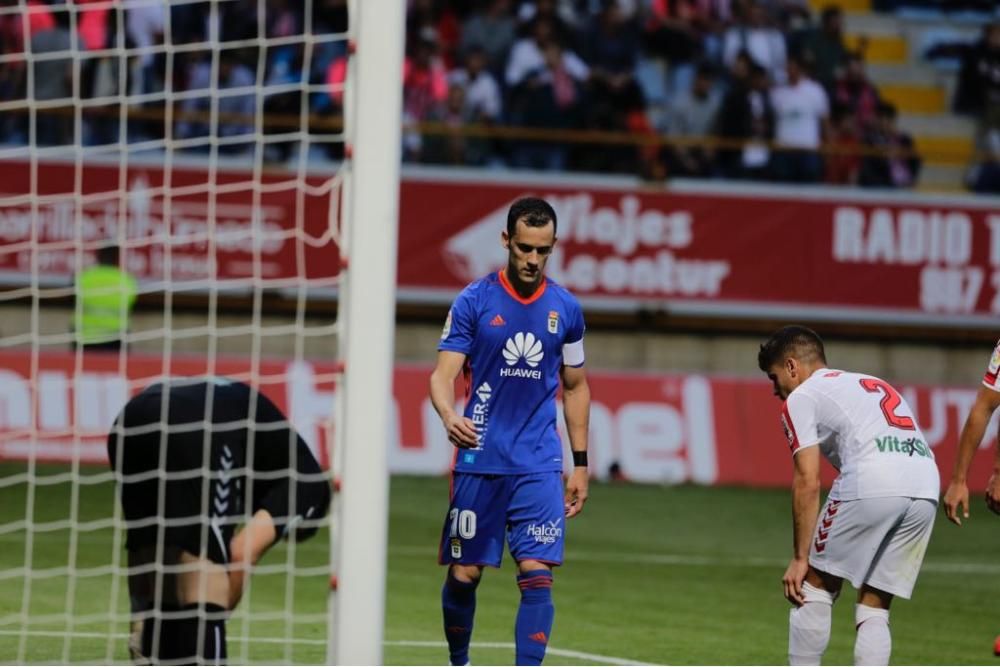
<point x="572" y="354"/>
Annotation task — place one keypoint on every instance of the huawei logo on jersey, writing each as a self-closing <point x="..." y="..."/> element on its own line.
<point x="523" y="346"/>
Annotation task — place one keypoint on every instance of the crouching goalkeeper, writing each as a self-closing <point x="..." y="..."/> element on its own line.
<point x="210" y="475"/>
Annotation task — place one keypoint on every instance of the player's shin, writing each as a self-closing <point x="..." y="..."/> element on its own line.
<point x="809" y="626"/>
<point x="874" y="641"/>
<point x="458" y="602"/>
<point x="534" y="616"/>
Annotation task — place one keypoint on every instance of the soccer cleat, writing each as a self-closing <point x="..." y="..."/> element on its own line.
<point x="996" y="646"/>
<point x="135" y="644"/>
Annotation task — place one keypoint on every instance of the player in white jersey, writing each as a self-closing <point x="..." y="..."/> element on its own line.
<point x="956" y="498"/>
<point x="877" y="520"/>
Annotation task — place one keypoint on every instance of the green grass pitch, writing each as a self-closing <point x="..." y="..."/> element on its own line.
<point x="679" y="575"/>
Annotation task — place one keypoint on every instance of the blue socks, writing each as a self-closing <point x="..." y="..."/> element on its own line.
<point x="534" y="616"/>
<point x="458" y="601"/>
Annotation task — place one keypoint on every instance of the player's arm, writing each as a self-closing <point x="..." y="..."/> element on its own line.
<point x="800" y="421"/>
<point x="576" y="409"/>
<point x="246" y="548"/>
<point x="291" y="494"/>
<point x="805" y="509"/>
<point x="461" y="430"/>
<point x="956" y="497"/>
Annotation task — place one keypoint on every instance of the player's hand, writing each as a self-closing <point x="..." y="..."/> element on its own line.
<point x="576" y="491"/>
<point x="461" y="431"/>
<point x="993" y="494"/>
<point x="956" y="502"/>
<point x="794" y="576"/>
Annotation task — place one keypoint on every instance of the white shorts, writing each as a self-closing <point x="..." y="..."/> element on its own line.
<point x="875" y="541"/>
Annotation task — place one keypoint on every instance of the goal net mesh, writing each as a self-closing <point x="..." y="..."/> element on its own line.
<point x="201" y="140"/>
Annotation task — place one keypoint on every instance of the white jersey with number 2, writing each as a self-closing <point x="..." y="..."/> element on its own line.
<point x="867" y="431"/>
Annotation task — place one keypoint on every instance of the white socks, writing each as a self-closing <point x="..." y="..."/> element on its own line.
<point x="874" y="643"/>
<point x="809" y="627"/>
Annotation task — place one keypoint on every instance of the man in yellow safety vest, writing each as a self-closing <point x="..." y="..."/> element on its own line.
<point x="105" y="294"/>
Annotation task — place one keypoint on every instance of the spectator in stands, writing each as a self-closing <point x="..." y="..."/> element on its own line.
<point x="548" y="96"/>
<point x="425" y="87"/>
<point x="898" y="164"/>
<point x="451" y="146"/>
<point x="561" y="14"/>
<point x="764" y="42"/>
<point x="483" y="101"/>
<point x="237" y="20"/>
<point x="824" y="46"/>
<point x="855" y="92"/>
<point x="801" y="110"/>
<point x="430" y="16"/>
<point x="611" y="50"/>
<point x="747" y="116"/>
<point x="144" y="26"/>
<point x="53" y="80"/>
<point x="104" y="80"/>
<point x="12" y="73"/>
<point x="843" y="162"/>
<point x="328" y="17"/>
<point x="672" y="33"/>
<point x="691" y="116"/>
<point x="237" y="109"/>
<point x="978" y="92"/>
<point x="528" y="55"/>
<point x="493" y="30"/>
<point x="984" y="178"/>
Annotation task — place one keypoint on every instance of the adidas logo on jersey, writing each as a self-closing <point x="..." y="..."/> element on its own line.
<point x="523" y="346"/>
<point x="498" y="321"/>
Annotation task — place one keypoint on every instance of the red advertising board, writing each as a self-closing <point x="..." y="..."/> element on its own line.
<point x="719" y="249"/>
<point x="660" y="428"/>
<point x="186" y="226"/>
<point x="723" y="251"/>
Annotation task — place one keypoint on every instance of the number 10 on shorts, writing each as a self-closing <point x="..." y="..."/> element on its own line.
<point x="463" y="525"/>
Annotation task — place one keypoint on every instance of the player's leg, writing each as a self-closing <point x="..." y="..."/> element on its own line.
<point x="189" y="634"/>
<point x="873" y="643"/>
<point x="472" y="537"/>
<point x="536" y="518"/>
<point x="893" y="572"/>
<point x="809" y="624"/>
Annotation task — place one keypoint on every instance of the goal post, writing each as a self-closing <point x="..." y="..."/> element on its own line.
<point x="368" y="287"/>
<point x="210" y="157"/>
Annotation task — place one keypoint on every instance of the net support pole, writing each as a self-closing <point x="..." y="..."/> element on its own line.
<point x="368" y="317"/>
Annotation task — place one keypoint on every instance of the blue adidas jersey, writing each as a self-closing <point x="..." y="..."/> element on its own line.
<point x="515" y="349"/>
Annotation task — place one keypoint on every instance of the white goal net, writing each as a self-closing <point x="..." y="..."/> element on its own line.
<point x="192" y="153"/>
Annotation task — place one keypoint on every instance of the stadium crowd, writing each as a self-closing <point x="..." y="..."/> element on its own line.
<point x="746" y="89"/>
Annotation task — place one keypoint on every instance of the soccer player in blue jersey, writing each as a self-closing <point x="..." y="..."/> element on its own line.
<point x="515" y="335"/>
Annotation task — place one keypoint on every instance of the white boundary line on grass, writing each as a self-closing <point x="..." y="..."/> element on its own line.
<point x="565" y="653"/>
<point x="939" y="567"/>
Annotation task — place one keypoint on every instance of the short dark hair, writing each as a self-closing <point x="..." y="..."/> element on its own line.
<point x="108" y="255"/>
<point x="885" y="110"/>
<point x="793" y="340"/>
<point x="533" y="211"/>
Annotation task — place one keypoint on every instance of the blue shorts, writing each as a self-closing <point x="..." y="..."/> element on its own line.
<point x="526" y="509"/>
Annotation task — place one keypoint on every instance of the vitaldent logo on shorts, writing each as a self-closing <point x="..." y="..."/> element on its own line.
<point x="546" y="533"/>
<point x="523" y="346"/>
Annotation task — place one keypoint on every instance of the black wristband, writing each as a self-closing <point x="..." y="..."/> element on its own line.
<point x="580" y="459"/>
